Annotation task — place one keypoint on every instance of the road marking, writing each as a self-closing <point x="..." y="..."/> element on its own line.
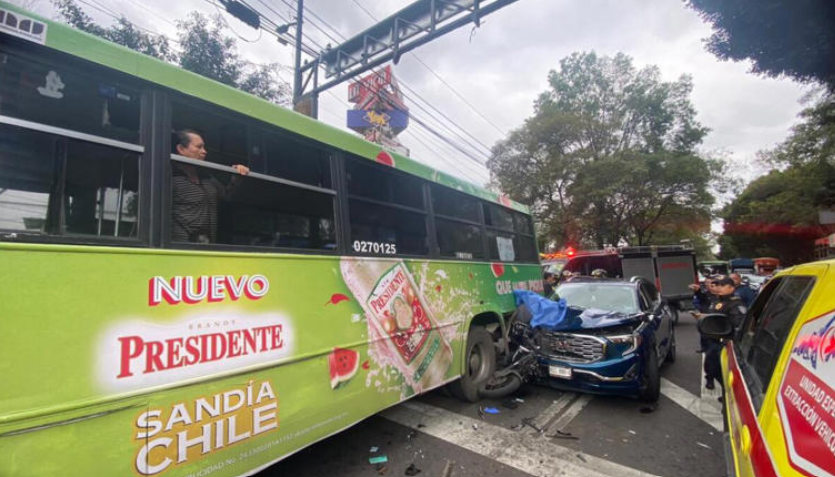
<point x="569" y="414"/>
<point x="551" y="412"/>
<point x="706" y="408"/>
<point x="540" y="457"/>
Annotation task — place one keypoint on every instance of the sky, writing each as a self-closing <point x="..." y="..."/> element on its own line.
<point x="485" y="79"/>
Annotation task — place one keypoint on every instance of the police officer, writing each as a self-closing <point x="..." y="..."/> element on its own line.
<point x="743" y="291"/>
<point x="549" y="281"/>
<point x="703" y="298"/>
<point x="727" y="303"/>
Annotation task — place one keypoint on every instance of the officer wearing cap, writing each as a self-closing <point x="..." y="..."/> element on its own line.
<point x="727" y="303"/>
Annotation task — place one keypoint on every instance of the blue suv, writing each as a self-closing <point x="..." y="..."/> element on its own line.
<point x="612" y="339"/>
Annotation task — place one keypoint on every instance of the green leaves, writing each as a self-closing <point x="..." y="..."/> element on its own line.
<point x="608" y="156"/>
<point x="780" y="37"/>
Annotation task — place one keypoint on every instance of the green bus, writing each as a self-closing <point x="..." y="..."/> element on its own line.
<point x="333" y="281"/>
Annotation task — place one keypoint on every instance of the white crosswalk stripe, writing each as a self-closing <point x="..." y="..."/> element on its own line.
<point x="520" y="450"/>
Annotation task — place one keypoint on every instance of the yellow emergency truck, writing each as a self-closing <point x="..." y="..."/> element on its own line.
<point x="779" y="375"/>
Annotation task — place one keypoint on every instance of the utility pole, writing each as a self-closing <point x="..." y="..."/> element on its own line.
<point x="297" y="76"/>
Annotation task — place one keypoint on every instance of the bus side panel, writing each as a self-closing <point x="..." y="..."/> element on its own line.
<point x="128" y="362"/>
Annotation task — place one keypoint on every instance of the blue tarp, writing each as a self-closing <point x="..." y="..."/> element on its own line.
<point x="548" y="314"/>
<point x="557" y="315"/>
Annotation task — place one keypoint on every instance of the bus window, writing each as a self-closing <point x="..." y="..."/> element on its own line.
<point x="49" y="93"/>
<point x="387" y="211"/>
<point x="497" y="216"/>
<point x="296" y="161"/>
<point x="369" y="181"/>
<point x="501" y="246"/>
<point x="509" y="235"/>
<point x="275" y="205"/>
<point x="59" y="186"/>
<point x="459" y="240"/>
<point x="101" y="191"/>
<point x="451" y="204"/>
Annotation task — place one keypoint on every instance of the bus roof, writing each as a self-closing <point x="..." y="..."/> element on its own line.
<point x="66" y="39"/>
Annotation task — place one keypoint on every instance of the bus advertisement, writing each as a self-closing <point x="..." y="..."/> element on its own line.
<point x="323" y="281"/>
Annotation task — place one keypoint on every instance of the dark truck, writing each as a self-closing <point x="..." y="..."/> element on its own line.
<point x="672" y="268"/>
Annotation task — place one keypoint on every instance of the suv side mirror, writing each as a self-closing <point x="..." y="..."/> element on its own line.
<point x="716" y="325"/>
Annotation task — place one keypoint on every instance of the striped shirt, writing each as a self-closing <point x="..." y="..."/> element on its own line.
<point x="194" y="208"/>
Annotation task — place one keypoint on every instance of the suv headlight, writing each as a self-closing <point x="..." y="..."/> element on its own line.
<point x="632" y="341"/>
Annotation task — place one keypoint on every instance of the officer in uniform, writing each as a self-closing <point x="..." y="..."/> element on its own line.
<point x="726" y="303"/>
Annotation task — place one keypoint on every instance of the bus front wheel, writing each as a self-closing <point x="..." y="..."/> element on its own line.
<point x="479" y="365"/>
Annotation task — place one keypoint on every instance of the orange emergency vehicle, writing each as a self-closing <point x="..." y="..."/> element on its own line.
<point x="779" y="376"/>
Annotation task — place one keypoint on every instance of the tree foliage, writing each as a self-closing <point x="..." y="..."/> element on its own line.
<point x="777" y="214"/>
<point x="204" y="49"/>
<point x="781" y="37"/>
<point x="609" y="155"/>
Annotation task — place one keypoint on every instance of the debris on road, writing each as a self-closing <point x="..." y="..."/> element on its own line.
<point x="510" y="404"/>
<point x="633" y="432"/>
<point x="380" y="459"/>
<point x="558" y="434"/>
<point x="382" y="469"/>
<point x="373" y="449"/>
<point x="703" y="445"/>
<point x="491" y="410"/>
<point x="412" y="470"/>
<point x="648" y="409"/>
<point x="528" y="421"/>
<point x="447" y="472"/>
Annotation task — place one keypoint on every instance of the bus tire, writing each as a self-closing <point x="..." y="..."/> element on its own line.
<point x="479" y="364"/>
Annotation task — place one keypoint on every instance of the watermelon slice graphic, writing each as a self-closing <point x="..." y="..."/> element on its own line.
<point x="343" y="364"/>
<point x="385" y="158"/>
<point x="497" y="269"/>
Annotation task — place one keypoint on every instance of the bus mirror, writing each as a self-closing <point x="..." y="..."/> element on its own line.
<point x="716" y="325"/>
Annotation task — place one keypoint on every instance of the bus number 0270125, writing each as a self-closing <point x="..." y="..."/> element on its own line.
<point x="362" y="246"/>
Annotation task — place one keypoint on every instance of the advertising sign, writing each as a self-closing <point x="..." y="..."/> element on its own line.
<point x="146" y="363"/>
<point x="806" y="399"/>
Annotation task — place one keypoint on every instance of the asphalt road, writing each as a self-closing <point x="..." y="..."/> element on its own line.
<point x="583" y="435"/>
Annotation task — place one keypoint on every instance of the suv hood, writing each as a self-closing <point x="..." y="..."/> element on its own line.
<point x="594" y="318"/>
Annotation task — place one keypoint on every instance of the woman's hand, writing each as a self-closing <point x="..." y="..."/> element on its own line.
<point x="242" y="169"/>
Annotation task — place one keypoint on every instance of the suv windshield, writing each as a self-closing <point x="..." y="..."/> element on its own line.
<point x="612" y="297"/>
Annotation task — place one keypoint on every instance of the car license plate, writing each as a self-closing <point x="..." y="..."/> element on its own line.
<point x="559" y="372"/>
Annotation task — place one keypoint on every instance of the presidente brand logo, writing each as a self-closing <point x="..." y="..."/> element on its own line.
<point x="138" y="354"/>
<point x="818" y="345"/>
<point x="209" y="289"/>
<point x="22" y="26"/>
<point x="180" y="434"/>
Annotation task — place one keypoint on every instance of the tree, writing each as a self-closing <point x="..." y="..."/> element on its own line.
<point x="609" y="155"/>
<point x="795" y="38"/>
<point x="123" y="32"/>
<point x="204" y="49"/>
<point x="777" y="214"/>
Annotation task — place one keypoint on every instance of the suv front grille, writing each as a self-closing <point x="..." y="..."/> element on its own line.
<point x="573" y="348"/>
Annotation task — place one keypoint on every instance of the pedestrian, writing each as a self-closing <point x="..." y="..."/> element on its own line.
<point x="728" y="304"/>
<point x="742" y="290"/>
<point x="195" y="195"/>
